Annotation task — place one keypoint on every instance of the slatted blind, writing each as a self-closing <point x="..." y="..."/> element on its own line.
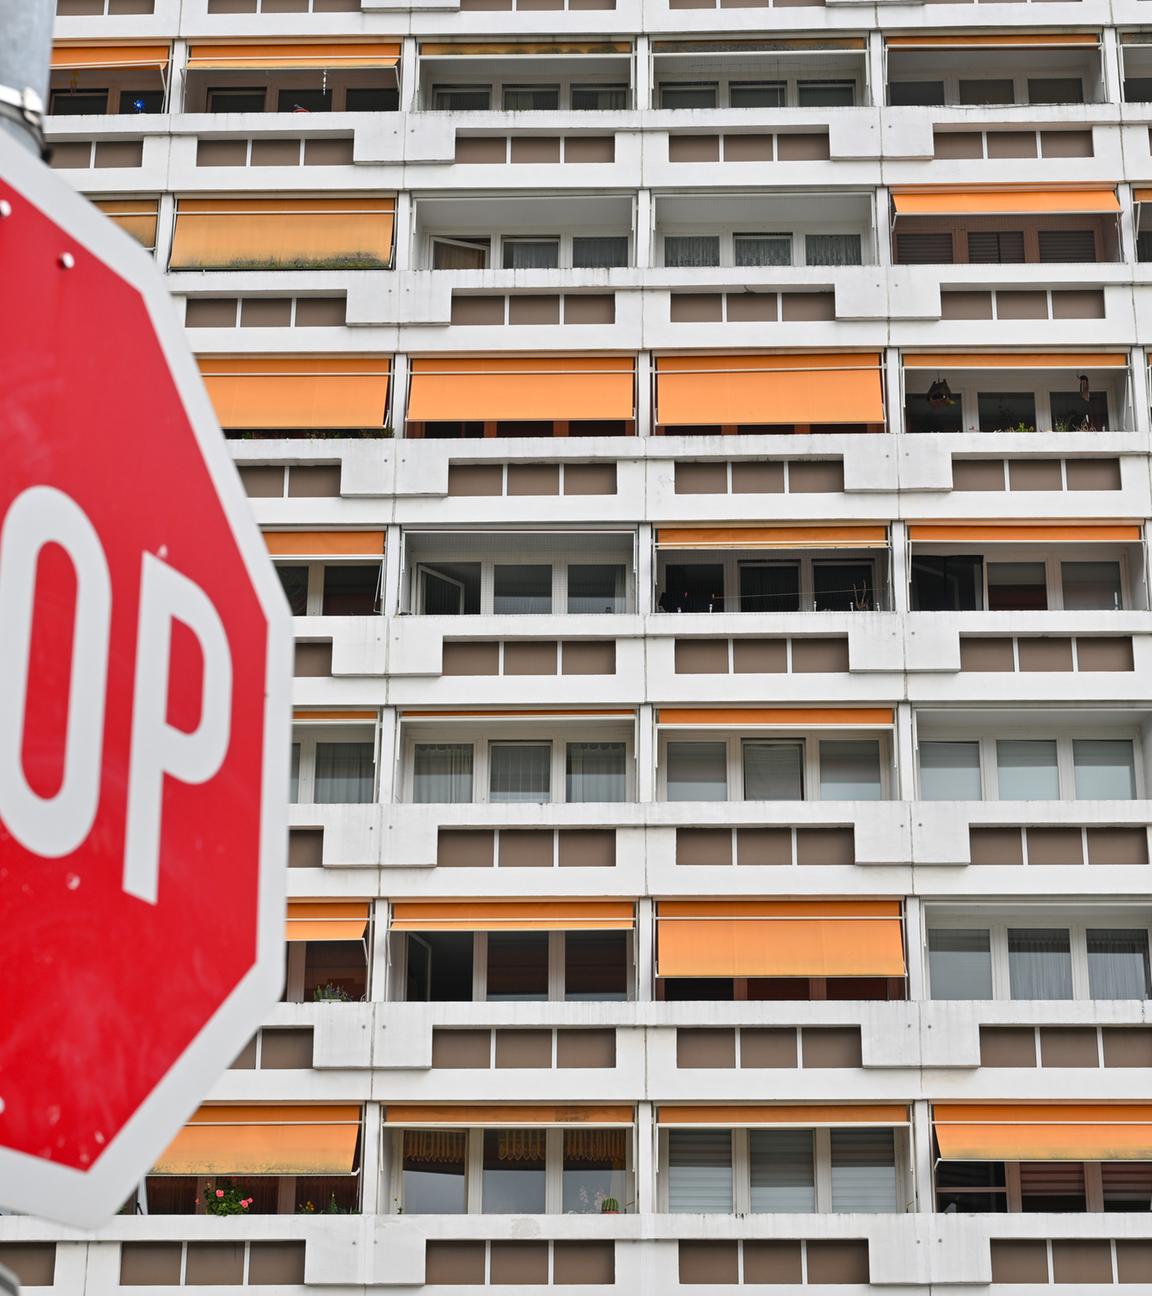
<point x="700" y="1171"/>
<point x="924" y="249"/>
<point x="995" y="247"/>
<point x="863" y="1170"/>
<point x="1068" y="245"/>
<point x="782" y="1170"/>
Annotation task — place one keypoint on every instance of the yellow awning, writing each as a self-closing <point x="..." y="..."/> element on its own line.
<point x="326" y="920"/>
<point x="1025" y="532"/>
<point x="350" y="232"/>
<point x="805" y="1115"/>
<point x="1015" y="360"/>
<point x="779" y="938"/>
<point x="773" y="537"/>
<point x="1004" y="202"/>
<point x="775" y="717"/>
<point x="258" y="391"/>
<point x="977" y="40"/>
<point x="441" y="49"/>
<point x="815" y="387"/>
<point x="135" y="216"/>
<point x="325" y="544"/>
<point x="1044" y="1131"/>
<point x="265" y="1139"/>
<point x="493" y="1114"/>
<point x="109" y="56"/>
<point x="304" y="713"/>
<point x="454" y="387"/>
<point x="512" y="915"/>
<point x="284" y="56"/>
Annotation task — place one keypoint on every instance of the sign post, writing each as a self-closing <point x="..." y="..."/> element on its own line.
<point x="145" y="679"/>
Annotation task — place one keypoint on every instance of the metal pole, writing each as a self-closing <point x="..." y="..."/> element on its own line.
<point x="8" y="1284"/>
<point x="25" y="54"/>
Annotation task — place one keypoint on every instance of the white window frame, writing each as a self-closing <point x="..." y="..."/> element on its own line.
<point x="731" y="563"/>
<point x="308" y="736"/>
<point x="316" y="568"/>
<point x="727" y="237"/>
<point x="520" y="78"/>
<point x="559" y="562"/>
<point x="966" y="386"/>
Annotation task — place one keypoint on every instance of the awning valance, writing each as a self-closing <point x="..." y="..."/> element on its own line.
<point x="481" y="49"/>
<point x="1075" y="360"/>
<point x="1044" y="1131"/>
<point x="302" y="714"/>
<point x="265" y="1139"/>
<point x="292" y="57"/>
<point x="325" y="544"/>
<point x="1025" y="532"/>
<point x="771" y="1115"/>
<point x="779" y="938"/>
<point x="108" y="56"/>
<point x="773" y="537"/>
<point x="1001" y="40"/>
<point x="495" y="1114"/>
<point x="326" y="920"/>
<point x="776" y="717"/>
<point x="468" y="388"/>
<point x="512" y="915"/>
<point x="812" y="387"/>
<point x="1005" y="202"/>
<point x="298" y="391"/>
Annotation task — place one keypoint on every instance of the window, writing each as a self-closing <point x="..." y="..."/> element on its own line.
<point x="697" y="771"/>
<point x="987" y="247"/>
<point x="769" y="587"/>
<point x="236" y="100"/>
<point x="299" y="100"/>
<point x="599" y="98"/>
<point x="371" y="99"/>
<point x="1105" y="769"/>
<point x="782" y="1171"/>
<point x="863" y="1170"/>
<point x="517" y="967"/>
<point x="773" y="771"/>
<point x="461" y="98"/>
<point x="960" y="963"/>
<point x="950" y="771"/>
<point x="693" y="587"/>
<point x="77" y="103"/>
<point x="595" y="772"/>
<point x="832" y="250"/>
<point x="1138" y="89"/>
<point x="531" y="98"/>
<point x="987" y="92"/>
<point x="850" y="770"/>
<point x="1067" y="245"/>
<point x="595" y="587"/>
<point x="1017" y="587"/>
<point x="594" y="1169"/>
<point x="1052" y="1186"/>
<point x="916" y="94"/>
<point x="600" y="253"/>
<point x="514" y="1172"/>
<point x="1072" y="413"/>
<point x="459" y="254"/>
<point x="700" y="1171"/>
<point x="141" y="101"/>
<point x="947" y="582"/>
<point x="826" y="94"/>
<point x="345" y="773"/>
<point x="440" y="967"/>
<point x="1118" y="964"/>
<point x="350" y="591"/>
<point x="968" y="1186"/>
<point x="1026" y="769"/>
<point x="757" y="94"/>
<point x="1055" y="90"/>
<point x="294" y="777"/>
<point x="519" y="772"/>
<point x="442" y="773"/>
<point x="1039" y="963"/>
<point x="923" y="249"/>
<point x="595" y="967"/>
<point x="687" y="250"/>
<point x="762" y="249"/>
<point x="433" y="1177"/>
<point x="1144" y="241"/>
<point x="1090" y="586"/>
<point x="699" y="95"/>
<point x="531" y="254"/>
<point x="521" y="588"/>
<point x="295" y="584"/>
<point x="842" y="586"/>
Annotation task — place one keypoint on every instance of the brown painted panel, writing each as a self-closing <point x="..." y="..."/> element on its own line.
<point x="590" y="479"/>
<point x="589" y="657"/>
<point x="825" y="846"/>
<point x="838" y="1262"/>
<point x="286" y="1048"/>
<point x="530" y="658"/>
<point x="701" y="478"/>
<point x="1048" y="653"/>
<point x="831" y="1046"/>
<point x="526" y="847"/>
<point x="759" y="656"/>
<point x="585" y="1049"/>
<point x="465" y="848"/>
<point x="758" y="478"/>
<point x="1015" y="1260"/>
<point x="587" y="848"/>
<point x="476" y="657"/>
<point x="523" y="1049"/>
<point x="146" y="1264"/>
<point x="1105" y="654"/>
<point x="1117" y="846"/>
<point x="461" y="1049"/>
<point x="1034" y="475"/>
<point x="1007" y="1046"/>
<point x="583" y="1263"/>
<point x="534" y="479"/>
<point x="1068" y="1046"/>
<point x="214" y="1264"/>
<point x="1127" y="1046"/>
<point x="475" y="479"/>
<point x="454" y="1263"/>
<point x="1054" y="846"/>
<point x="818" y="656"/>
<point x="701" y="656"/>
<point x="985" y="654"/>
<point x="764" y="846"/>
<point x="703" y="846"/>
<point x="1083" y="1260"/>
<point x="773" y="1262"/>
<point x="693" y="148"/>
<point x="709" y="1263"/>
<point x="996" y="845"/>
<point x="768" y="1047"/>
<point x="705" y="1048"/>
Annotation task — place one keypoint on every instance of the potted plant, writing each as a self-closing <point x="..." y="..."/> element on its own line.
<point x="609" y="1206"/>
<point x="330" y="992"/>
<point x="224" y="1198"/>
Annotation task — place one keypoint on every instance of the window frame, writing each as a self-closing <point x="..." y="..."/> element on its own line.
<point x="733" y="562"/>
<point x="559" y="562"/>
<point x="799" y="249"/>
<point x="1053" y="562"/>
<point x="790" y="78"/>
<point x="306" y="737"/>
<point x="316" y="569"/>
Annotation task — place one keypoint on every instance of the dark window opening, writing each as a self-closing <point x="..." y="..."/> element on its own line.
<point x="77" y="103"/>
<point x="693" y="587"/>
<point x="371" y="99"/>
<point x="295" y="583"/>
<point x="921" y="416"/>
<point x="288" y="101"/>
<point x="947" y="583"/>
<point x="517" y="966"/>
<point x="439" y="967"/>
<point x="141" y="101"/>
<point x="1006" y="411"/>
<point x="596" y="965"/>
<point x="228" y="100"/>
<point x="843" y="587"/>
<point x="350" y="591"/>
<point x="996" y="247"/>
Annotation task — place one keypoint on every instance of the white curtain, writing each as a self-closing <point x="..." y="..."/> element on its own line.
<point x="596" y="771"/>
<point x="773" y="771"/>
<point x="863" y="1170"/>
<point x="692" y="250"/>
<point x="763" y="249"/>
<point x="1039" y="963"/>
<point x="442" y="773"/>
<point x="832" y="249"/>
<point x="1118" y="964"/>
<point x="781" y="1165"/>
<point x="700" y="1171"/>
<point x="697" y="771"/>
<point x="344" y="773"/>
<point x="960" y="963"/>
<point x="523" y="255"/>
<point x="520" y="772"/>
<point x="599" y="253"/>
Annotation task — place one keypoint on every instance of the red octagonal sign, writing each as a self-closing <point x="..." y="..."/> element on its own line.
<point x="145" y="675"/>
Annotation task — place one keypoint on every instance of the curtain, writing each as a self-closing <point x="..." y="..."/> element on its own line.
<point x="850" y="771"/>
<point x="344" y="773"/>
<point x="1039" y="963"/>
<point x="539" y="254"/>
<point x="455" y="256"/>
<point x="1026" y="769"/>
<point x="700" y="1171"/>
<point x="697" y="771"/>
<point x="685" y="250"/>
<point x="1104" y="769"/>
<point x="781" y="1166"/>
<point x="832" y="249"/>
<point x="531" y="98"/>
<point x="599" y="1145"/>
<point x="521" y="1145"/>
<point x="950" y="771"/>
<point x="960" y="963"/>
<point x="763" y="249"/>
<point x="1118" y="964"/>
<point x="863" y="1170"/>
<point x="773" y="771"/>
<point x="442" y="773"/>
<point x="600" y="253"/>
<point x="520" y="772"/>
<point x="595" y="771"/>
<point x="436" y="1146"/>
<point x="599" y="97"/>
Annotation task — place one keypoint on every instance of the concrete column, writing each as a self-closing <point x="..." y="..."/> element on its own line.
<point x="877" y="86"/>
<point x="644" y="394"/>
<point x="645" y="1175"/>
<point x="921" y="1133"/>
<point x="643" y="90"/>
<point x="644" y="228"/>
<point x="402" y="234"/>
<point x="177" y="74"/>
<point x="1111" y="70"/>
<point x="387" y="738"/>
<point x="905" y="753"/>
<point x="645" y="576"/>
<point x="645" y="950"/>
<point x="165" y="229"/>
<point x="398" y="395"/>
<point x="893" y="390"/>
<point x="408" y="75"/>
<point x="646" y="753"/>
<point x="899" y="567"/>
<point x="390" y="597"/>
<point x="370" y="1160"/>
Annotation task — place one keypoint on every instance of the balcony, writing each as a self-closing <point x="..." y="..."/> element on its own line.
<point x="108" y="80"/>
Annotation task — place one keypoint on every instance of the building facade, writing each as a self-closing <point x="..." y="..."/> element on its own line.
<point x="706" y="451"/>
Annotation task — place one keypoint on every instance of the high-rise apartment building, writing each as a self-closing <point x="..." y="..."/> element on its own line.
<point x="706" y="449"/>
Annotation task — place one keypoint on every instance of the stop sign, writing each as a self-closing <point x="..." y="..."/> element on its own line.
<point x="145" y="678"/>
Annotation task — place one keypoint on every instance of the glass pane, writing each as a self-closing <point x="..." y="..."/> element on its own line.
<point x="1118" y="964"/>
<point x="1105" y="770"/>
<point x="700" y="1171"/>
<point x="1006" y="411"/>
<point x="863" y="1170"/>
<point x="1091" y="586"/>
<point x="522" y="588"/>
<point x="850" y="770"/>
<point x="998" y="91"/>
<point x="586" y="98"/>
<point x="1127" y="1185"/>
<point x="514" y="1172"/>
<point x="950" y="771"/>
<point x="594" y="1169"/>
<point x="442" y="772"/>
<point x="461" y="98"/>
<point x="691" y="250"/>
<point x="1026" y="769"/>
<point x="832" y="249"/>
<point x="843" y="586"/>
<point x="345" y="773"/>
<point x="769" y="587"/>
<point x="294" y="778"/>
<point x="960" y="963"/>
<point x="295" y="583"/>
<point x="517" y="966"/>
<point x="757" y="94"/>
<point x="763" y="249"/>
<point x="595" y="772"/>
<point x="600" y="253"/>
<point x="1039" y="963"/>
<point x="520" y="772"/>
<point x="458" y="256"/>
<point x="947" y="583"/>
<point x="701" y="95"/>
<point x="697" y="771"/>
<point x="531" y="98"/>
<point x="1017" y="587"/>
<point x="782" y="1171"/>
<point x="531" y="254"/>
<point x="350" y="591"/>
<point x="826" y="94"/>
<point x="595" y="966"/>
<point x="773" y="771"/>
<point x="434" y="1172"/>
<point x="693" y="587"/>
<point x="595" y="587"/>
<point x="909" y="94"/>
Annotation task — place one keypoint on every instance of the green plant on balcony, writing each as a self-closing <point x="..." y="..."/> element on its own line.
<point x="224" y="1197"/>
<point x="344" y="261"/>
<point x="333" y="1207"/>
<point x="609" y="1206"/>
<point x="330" y="992"/>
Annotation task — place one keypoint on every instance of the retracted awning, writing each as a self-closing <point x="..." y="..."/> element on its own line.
<point x="265" y="1139"/>
<point x="325" y="544"/>
<point x="443" y="49"/>
<point x="497" y="1114"/>
<point x="1005" y="202"/>
<point x="1044" y="1131"/>
<point x="1001" y="40"/>
<point x="326" y="920"/>
<point x="779" y="938"/>
<point x="512" y="915"/>
<point x="466" y="388"/>
<point x="748" y="717"/>
<point x="258" y="391"/>
<point x="773" y="537"/>
<point x="962" y="360"/>
<point x="136" y="216"/>
<point x="293" y="57"/>
<point x="1026" y="532"/>
<point x="109" y="56"/>
<point x="771" y="1115"/>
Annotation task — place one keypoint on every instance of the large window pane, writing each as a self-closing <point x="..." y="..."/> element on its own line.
<point x="832" y="249"/>
<point x="762" y="249"/>
<point x="826" y="94"/>
<point x="531" y="254"/>
<point x="1002" y="411"/>
<point x="701" y="94"/>
<point x="1026" y="769"/>
<point x="1091" y="586"/>
<point x="442" y="772"/>
<point x="595" y="772"/>
<point x="595" y="966"/>
<point x="599" y="98"/>
<point x="295" y="583"/>
<point x="960" y="963"/>
<point x="1039" y="963"/>
<point x="686" y="250"/>
<point x="344" y="773"/>
<point x="595" y="587"/>
<point x="947" y="582"/>
<point x="700" y="1171"/>
<point x="697" y="771"/>
<point x="773" y="771"/>
<point x="531" y="98"/>
<point x="757" y="94"/>
<point x="1017" y="587"/>
<point x="594" y="1169"/>
<point x="850" y="770"/>
<point x="863" y="1170"/>
<point x="294" y="776"/>
<point x="514" y="1171"/>
<point x="520" y="588"/>
<point x="693" y="587"/>
<point x="434" y="1172"/>
<point x="1104" y="769"/>
<point x="1118" y="964"/>
<point x="600" y="253"/>
<point x="843" y="587"/>
<point x="520" y="771"/>
<point x="769" y="587"/>
<point x="782" y="1171"/>
<point x="517" y="966"/>
<point x="950" y="771"/>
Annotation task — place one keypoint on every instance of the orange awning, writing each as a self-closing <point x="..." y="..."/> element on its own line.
<point x="779" y="938"/>
<point x="453" y="387"/>
<point x="351" y="232"/>
<point x="1026" y="532"/>
<point x="809" y="1115"/>
<point x="802" y="388"/>
<point x="962" y="40"/>
<point x="265" y="1139"/>
<point x="109" y="56"/>
<point x="773" y="537"/>
<point x="298" y="391"/>
<point x="490" y="1114"/>
<point x="512" y="915"/>
<point x="1015" y="360"/>
<point x="326" y="920"/>
<point x="288" y="56"/>
<point x="302" y="714"/>
<point x="1044" y="1131"/>
<point x="135" y="216"/>
<point x="1004" y="202"/>
<point x="325" y="544"/>
<point x="1142" y="195"/>
<point x="775" y="717"/>
<point x="441" y="49"/>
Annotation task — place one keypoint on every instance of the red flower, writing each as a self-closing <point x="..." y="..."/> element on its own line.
<point x="219" y="1192"/>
